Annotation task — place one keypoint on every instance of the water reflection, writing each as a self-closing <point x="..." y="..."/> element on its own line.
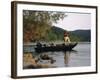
<point x="46" y="56"/>
<point x="81" y="57"/>
<point x="66" y="58"/>
<point x="58" y="59"/>
<point x="67" y="55"/>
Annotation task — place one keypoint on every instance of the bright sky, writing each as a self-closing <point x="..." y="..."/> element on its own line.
<point x="75" y="21"/>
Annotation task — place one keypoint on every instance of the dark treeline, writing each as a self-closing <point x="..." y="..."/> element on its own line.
<point x="57" y="33"/>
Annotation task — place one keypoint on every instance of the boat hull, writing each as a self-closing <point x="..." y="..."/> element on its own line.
<point x="60" y="47"/>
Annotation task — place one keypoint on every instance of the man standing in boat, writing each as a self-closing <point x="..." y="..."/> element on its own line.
<point x="66" y="37"/>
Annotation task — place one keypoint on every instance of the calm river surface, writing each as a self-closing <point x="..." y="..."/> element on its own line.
<point x="80" y="56"/>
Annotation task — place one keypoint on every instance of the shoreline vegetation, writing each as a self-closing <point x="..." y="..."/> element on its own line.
<point x="32" y="62"/>
<point x="57" y="35"/>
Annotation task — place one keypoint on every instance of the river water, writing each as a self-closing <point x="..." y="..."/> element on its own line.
<point x="80" y="56"/>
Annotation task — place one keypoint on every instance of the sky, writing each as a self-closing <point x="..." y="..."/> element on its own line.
<point x="75" y="21"/>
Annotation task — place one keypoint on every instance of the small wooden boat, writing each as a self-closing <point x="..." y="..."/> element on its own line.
<point x="58" y="47"/>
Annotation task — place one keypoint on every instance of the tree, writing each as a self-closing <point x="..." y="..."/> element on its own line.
<point x="36" y="24"/>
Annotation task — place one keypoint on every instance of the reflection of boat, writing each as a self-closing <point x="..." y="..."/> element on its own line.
<point x="58" y="47"/>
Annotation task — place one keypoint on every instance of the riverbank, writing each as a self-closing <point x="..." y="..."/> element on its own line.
<point x="32" y="62"/>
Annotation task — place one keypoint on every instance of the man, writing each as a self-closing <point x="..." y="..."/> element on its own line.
<point x="66" y="37"/>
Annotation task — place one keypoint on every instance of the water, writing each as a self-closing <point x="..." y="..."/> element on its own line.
<point x="80" y="56"/>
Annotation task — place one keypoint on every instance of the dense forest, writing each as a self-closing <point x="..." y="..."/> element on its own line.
<point x="81" y="35"/>
<point x="38" y="26"/>
<point x="77" y="35"/>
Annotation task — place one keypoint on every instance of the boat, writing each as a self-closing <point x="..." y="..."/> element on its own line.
<point x="54" y="47"/>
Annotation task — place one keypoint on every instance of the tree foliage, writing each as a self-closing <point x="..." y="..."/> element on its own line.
<point x="75" y="36"/>
<point x="36" y="24"/>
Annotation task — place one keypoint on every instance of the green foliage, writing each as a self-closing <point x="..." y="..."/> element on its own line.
<point x="54" y="34"/>
<point x="82" y="35"/>
<point x="37" y="24"/>
<point x="51" y="36"/>
<point x="75" y="38"/>
<point x="57" y="33"/>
